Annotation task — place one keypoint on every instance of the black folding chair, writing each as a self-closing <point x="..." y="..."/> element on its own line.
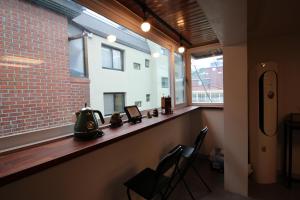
<point x="150" y="183"/>
<point x="190" y="154"/>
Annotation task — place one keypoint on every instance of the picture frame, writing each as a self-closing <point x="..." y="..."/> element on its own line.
<point x="133" y="113"/>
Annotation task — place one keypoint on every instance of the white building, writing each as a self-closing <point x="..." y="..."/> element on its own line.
<point x="130" y="71"/>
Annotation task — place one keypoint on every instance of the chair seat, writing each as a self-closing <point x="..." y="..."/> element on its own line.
<point x="146" y="184"/>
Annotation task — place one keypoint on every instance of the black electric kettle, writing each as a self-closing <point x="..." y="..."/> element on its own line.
<point x="86" y="126"/>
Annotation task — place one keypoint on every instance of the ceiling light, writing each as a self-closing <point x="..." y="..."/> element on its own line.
<point x="145" y="26"/>
<point x="155" y="55"/>
<point x="111" y="38"/>
<point x="181" y="49"/>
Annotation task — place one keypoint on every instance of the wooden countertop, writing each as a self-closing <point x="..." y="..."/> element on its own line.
<point x="22" y="163"/>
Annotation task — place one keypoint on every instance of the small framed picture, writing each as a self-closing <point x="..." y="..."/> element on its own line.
<point x="133" y="114"/>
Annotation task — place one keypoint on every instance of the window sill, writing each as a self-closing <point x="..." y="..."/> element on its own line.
<point x="209" y="106"/>
<point x="19" y="164"/>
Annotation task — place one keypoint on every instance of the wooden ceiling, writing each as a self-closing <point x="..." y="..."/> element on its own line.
<point x="185" y="16"/>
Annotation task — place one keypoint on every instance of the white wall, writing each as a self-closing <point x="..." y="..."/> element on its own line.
<point x="134" y="83"/>
<point x="214" y="120"/>
<point x="100" y="174"/>
<point x="236" y="119"/>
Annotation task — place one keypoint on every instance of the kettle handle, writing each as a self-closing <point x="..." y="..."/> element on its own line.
<point x="100" y="115"/>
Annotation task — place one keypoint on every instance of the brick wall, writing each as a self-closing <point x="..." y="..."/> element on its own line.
<point x="36" y="88"/>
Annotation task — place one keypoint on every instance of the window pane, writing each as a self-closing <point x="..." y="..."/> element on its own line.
<point x="117" y="59"/>
<point x="147" y="97"/>
<point x="207" y="79"/>
<point x="37" y="67"/>
<point x="137" y="66"/>
<point x="106" y="57"/>
<point x="147" y="63"/>
<point x="119" y="103"/>
<point x="179" y="79"/>
<point x="108" y="104"/>
<point x="76" y="57"/>
<point x="164" y="82"/>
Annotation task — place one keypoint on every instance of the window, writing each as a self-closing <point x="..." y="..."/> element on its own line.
<point x="147" y="97"/>
<point x="67" y="41"/>
<point x="164" y="51"/>
<point x="207" y="78"/>
<point x="164" y="82"/>
<point x="138" y="103"/>
<point x="113" y="102"/>
<point x="179" y="79"/>
<point x="112" y="58"/>
<point x="137" y="66"/>
<point x="147" y="63"/>
<point x="76" y="51"/>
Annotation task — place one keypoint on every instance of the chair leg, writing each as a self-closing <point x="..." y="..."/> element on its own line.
<point x="188" y="189"/>
<point x="128" y="194"/>
<point x="202" y="180"/>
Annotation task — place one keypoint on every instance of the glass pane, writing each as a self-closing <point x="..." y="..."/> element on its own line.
<point x="179" y="79"/>
<point x="106" y="57"/>
<point x="164" y="82"/>
<point x="117" y="59"/>
<point x="207" y="79"/>
<point x="119" y="103"/>
<point x="108" y="104"/>
<point x="76" y="57"/>
<point x="43" y="61"/>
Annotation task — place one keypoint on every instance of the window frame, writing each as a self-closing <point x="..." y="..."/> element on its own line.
<point x="82" y="36"/>
<point x="136" y="64"/>
<point x="114" y="96"/>
<point x="148" y="97"/>
<point x="189" y="78"/>
<point x="185" y="102"/>
<point x="111" y="10"/>
<point x="147" y="61"/>
<point x="168" y="81"/>
<point x="112" y="63"/>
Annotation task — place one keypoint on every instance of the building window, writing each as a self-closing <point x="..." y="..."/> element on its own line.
<point x="164" y="82"/>
<point x="147" y="97"/>
<point x="113" y="102"/>
<point x="112" y="58"/>
<point x="138" y="103"/>
<point x="77" y="53"/>
<point x="164" y="51"/>
<point x="137" y="66"/>
<point x="147" y="63"/>
<point x="207" y="77"/>
<point x="179" y="79"/>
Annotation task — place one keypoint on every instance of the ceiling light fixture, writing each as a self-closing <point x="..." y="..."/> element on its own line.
<point x="181" y="49"/>
<point x="155" y="17"/>
<point x="145" y="26"/>
<point x="111" y="38"/>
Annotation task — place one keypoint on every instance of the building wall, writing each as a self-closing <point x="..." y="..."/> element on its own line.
<point x="134" y="83"/>
<point x="284" y="50"/>
<point x="214" y="120"/>
<point x="100" y="174"/>
<point x="36" y="91"/>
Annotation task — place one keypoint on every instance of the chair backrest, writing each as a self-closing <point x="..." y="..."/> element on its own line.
<point x="170" y="160"/>
<point x="199" y="140"/>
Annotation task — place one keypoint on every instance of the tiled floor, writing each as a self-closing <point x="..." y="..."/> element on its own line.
<point x="216" y="182"/>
